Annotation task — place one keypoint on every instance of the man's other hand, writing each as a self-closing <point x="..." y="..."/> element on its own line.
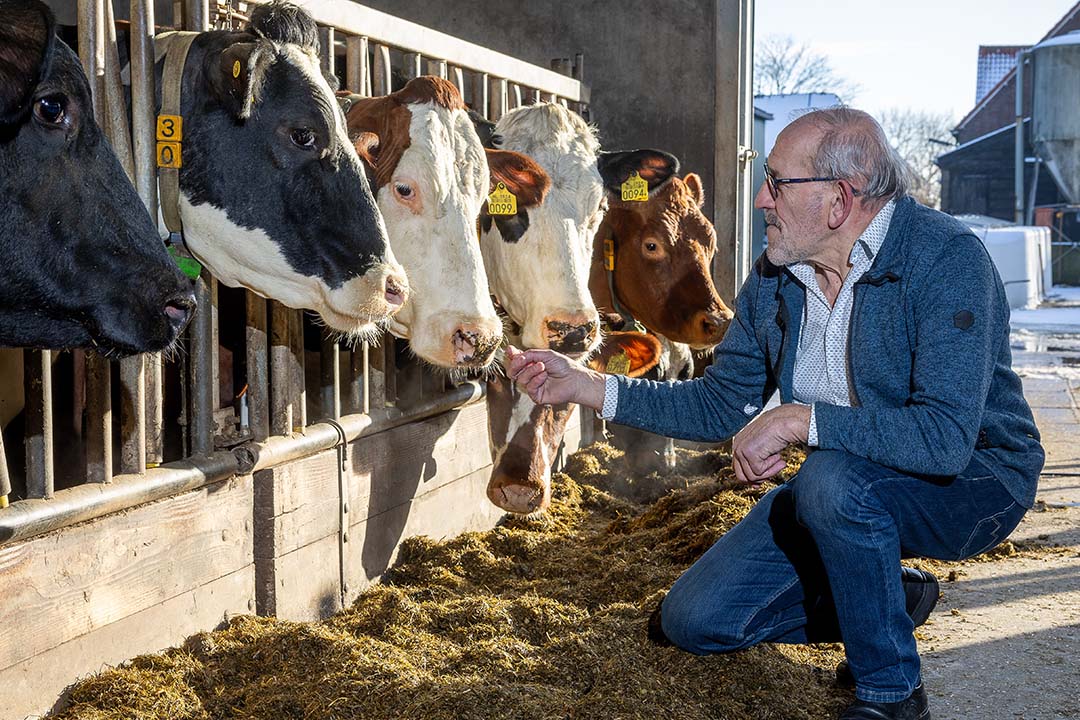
<point x="755" y="451"/>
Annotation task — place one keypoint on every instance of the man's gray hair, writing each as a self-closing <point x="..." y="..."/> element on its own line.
<point x="853" y="147"/>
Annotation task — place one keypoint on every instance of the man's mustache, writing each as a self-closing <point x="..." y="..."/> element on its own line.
<point x="771" y="219"/>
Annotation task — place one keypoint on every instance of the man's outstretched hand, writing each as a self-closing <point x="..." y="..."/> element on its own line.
<point x="755" y="450"/>
<point x="552" y="379"/>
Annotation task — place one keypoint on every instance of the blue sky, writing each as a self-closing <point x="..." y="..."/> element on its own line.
<point x="911" y="54"/>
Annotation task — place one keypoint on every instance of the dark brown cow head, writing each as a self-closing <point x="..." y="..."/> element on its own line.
<point x="525" y="437"/>
<point x="661" y="250"/>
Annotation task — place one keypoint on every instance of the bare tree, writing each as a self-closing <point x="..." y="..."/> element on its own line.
<point x="919" y="137"/>
<point x="783" y="66"/>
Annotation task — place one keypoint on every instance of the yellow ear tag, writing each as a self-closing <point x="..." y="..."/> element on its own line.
<point x="618" y="364"/>
<point x="635" y="189"/>
<point x="502" y="202"/>
<point x="236" y="68"/>
<point x="609" y="254"/>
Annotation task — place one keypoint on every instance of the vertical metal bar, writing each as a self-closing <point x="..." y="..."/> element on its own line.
<point x="197" y="15"/>
<point x="133" y="415"/>
<point x="116" y="107"/>
<point x="281" y="411"/>
<point x="327" y="61"/>
<point x="357" y="77"/>
<point x="437" y="68"/>
<point x="1018" y="141"/>
<point x="98" y="419"/>
<point x="296" y="366"/>
<point x="357" y="389"/>
<point x="39" y="423"/>
<point x="5" y="478"/>
<point x="365" y="358"/>
<point x="91" y="35"/>
<point x="516" y="99"/>
<point x="201" y="390"/>
<point x="215" y="349"/>
<point x="579" y="67"/>
<point x="534" y="97"/>
<point x="413" y="65"/>
<point x="381" y="76"/>
<point x="480" y="94"/>
<point x="329" y="377"/>
<point x="98" y="371"/>
<point x="498" y="99"/>
<point x="142" y="130"/>
<point x="457" y="76"/>
<point x="258" y="404"/>
<point x="389" y="365"/>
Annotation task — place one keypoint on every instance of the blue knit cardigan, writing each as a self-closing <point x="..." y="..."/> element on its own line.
<point x="929" y="356"/>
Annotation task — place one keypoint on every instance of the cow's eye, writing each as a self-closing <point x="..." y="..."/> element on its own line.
<point x="650" y="246"/>
<point x="404" y="191"/>
<point x="303" y="137"/>
<point x="50" y="110"/>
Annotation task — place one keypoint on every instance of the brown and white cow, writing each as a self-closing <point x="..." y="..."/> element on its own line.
<point x="651" y="265"/>
<point x="431" y="180"/>
<point x="537" y="265"/>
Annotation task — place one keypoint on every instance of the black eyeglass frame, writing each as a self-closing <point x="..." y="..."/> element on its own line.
<point x="773" y="183"/>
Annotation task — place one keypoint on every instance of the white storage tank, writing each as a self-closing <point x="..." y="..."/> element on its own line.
<point x="1022" y="256"/>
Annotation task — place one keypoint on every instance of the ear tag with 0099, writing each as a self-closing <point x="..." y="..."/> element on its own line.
<point x="618" y="364"/>
<point x="635" y="189"/>
<point x="502" y="202"/>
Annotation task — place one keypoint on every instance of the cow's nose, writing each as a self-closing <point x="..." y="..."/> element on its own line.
<point x="397" y="289"/>
<point x="473" y="345"/>
<point x="570" y="337"/>
<point x="178" y="310"/>
<point x="713" y="325"/>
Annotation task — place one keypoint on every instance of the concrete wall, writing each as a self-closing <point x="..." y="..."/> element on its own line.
<point x="651" y="66"/>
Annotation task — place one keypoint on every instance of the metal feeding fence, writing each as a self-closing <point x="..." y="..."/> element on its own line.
<point x="240" y="393"/>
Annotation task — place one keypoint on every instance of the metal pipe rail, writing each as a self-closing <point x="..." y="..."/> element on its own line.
<point x="27" y="518"/>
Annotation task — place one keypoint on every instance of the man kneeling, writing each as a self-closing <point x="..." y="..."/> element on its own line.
<point x="885" y="328"/>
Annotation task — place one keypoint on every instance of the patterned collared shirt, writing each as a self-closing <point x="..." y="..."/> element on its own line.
<point x="822" y="372"/>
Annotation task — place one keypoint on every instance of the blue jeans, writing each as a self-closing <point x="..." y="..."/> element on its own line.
<point x="840" y="526"/>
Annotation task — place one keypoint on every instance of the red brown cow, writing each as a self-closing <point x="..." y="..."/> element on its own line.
<point x="650" y="265"/>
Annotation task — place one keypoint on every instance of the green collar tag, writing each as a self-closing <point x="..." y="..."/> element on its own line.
<point x="188" y="265"/>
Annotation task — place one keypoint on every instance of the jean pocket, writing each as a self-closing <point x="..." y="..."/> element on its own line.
<point x="990" y="531"/>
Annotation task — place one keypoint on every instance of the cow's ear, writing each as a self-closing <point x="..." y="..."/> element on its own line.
<point x="234" y="77"/>
<point x="693" y="184"/>
<point x="26" y="47"/>
<point x="383" y="121"/>
<point x="627" y="353"/>
<point x="655" y="167"/>
<point x="520" y="174"/>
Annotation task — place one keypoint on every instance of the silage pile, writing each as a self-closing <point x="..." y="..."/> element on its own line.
<point x="541" y="618"/>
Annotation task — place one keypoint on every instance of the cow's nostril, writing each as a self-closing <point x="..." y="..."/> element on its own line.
<point x="179" y="310"/>
<point x="395" y="291"/>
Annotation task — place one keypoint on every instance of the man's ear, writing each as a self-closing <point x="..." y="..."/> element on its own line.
<point x="233" y="75"/>
<point x="840" y="206"/>
<point x="693" y="184"/>
<point x="655" y="167"/>
<point x="26" y="48"/>
<point x="627" y="353"/>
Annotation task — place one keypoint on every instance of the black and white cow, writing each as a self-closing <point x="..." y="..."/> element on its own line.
<point x="272" y="194"/>
<point x="82" y="263"/>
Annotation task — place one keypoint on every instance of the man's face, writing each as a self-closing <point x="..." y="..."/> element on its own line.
<point x="796" y="220"/>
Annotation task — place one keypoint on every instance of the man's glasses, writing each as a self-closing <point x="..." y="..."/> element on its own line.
<point x="774" y="183"/>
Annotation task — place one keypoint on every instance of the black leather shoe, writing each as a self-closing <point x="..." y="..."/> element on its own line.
<point x="916" y="707"/>
<point x="921" y="592"/>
